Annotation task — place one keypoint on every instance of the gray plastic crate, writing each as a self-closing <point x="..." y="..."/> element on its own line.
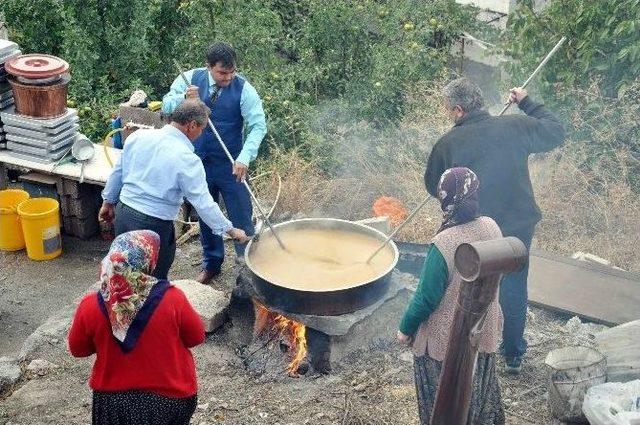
<point x="39" y="138"/>
<point x="10" y="117"/>
<point x="44" y="155"/>
<point x="6" y="95"/>
<point x="6" y="103"/>
<point x="7" y="47"/>
<point x="36" y="147"/>
<point x="32" y="158"/>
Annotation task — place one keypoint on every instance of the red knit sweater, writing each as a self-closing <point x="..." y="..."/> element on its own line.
<point x="161" y="361"/>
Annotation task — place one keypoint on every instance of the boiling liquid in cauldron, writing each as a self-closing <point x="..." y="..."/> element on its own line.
<point x="319" y="259"/>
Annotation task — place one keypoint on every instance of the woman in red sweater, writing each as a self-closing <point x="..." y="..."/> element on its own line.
<point x="140" y="329"/>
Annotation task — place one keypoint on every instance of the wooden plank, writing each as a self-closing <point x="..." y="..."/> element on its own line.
<point x="591" y="291"/>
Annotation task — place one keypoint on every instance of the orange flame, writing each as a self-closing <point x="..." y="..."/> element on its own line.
<point x="390" y="207"/>
<point x="292" y="333"/>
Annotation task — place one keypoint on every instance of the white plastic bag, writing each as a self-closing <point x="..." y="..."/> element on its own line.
<point x="613" y="403"/>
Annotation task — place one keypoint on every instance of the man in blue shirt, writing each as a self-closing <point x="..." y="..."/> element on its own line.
<point x="157" y="169"/>
<point x="234" y="104"/>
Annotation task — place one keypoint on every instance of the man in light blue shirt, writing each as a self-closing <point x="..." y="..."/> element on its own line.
<point x="157" y="169"/>
<point x="235" y="106"/>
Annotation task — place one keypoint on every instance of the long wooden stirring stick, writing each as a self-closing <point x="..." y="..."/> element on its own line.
<point x="544" y="61"/>
<point x="408" y="219"/>
<point x="226" y="151"/>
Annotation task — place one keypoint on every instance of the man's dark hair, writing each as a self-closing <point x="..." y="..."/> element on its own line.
<point x="464" y="93"/>
<point x="191" y="110"/>
<point x="222" y="53"/>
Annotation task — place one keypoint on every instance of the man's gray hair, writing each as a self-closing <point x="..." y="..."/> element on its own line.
<point x="464" y="93"/>
<point x="191" y="110"/>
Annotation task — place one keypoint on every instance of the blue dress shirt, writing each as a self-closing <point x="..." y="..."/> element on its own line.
<point x="250" y="108"/>
<point x="156" y="170"/>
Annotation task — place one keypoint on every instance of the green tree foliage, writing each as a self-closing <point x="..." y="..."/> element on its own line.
<point x="593" y="80"/>
<point x="35" y="25"/>
<point x="364" y="53"/>
<point x="603" y="43"/>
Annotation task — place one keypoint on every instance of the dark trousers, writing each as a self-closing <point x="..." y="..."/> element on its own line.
<point x="513" y="300"/>
<point x="237" y="201"/>
<point x="128" y="219"/>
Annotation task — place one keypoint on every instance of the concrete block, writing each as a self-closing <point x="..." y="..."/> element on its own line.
<point x="379" y="223"/>
<point x="51" y="332"/>
<point x="210" y="303"/>
<point x="76" y="190"/>
<point x="83" y="228"/>
<point x="10" y="373"/>
<point x="378" y="329"/>
<point x="339" y="326"/>
<point x="81" y="207"/>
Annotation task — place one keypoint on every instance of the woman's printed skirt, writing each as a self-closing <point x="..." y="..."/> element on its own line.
<point x="141" y="408"/>
<point x="485" y="407"/>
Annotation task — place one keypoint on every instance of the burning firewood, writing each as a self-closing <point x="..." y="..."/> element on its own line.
<point x="275" y="326"/>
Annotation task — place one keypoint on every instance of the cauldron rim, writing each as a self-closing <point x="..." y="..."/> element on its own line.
<point x="367" y="229"/>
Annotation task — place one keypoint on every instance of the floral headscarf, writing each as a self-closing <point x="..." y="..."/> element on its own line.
<point x="128" y="293"/>
<point x="458" y="196"/>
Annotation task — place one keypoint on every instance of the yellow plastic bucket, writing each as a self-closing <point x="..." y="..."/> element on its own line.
<point x="40" y="219"/>
<point x="11" y="238"/>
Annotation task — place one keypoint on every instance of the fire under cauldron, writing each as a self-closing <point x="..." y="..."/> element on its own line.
<point x="332" y="297"/>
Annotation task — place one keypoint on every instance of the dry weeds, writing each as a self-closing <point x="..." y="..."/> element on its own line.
<point x="594" y="211"/>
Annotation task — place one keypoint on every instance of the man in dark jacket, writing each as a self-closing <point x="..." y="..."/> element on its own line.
<point x="497" y="149"/>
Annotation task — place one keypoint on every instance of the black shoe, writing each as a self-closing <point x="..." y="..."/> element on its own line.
<point x="206" y="276"/>
<point x="513" y="365"/>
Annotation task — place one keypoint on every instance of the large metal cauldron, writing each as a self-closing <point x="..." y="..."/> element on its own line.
<point x="323" y="303"/>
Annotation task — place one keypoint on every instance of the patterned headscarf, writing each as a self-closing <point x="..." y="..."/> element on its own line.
<point x="128" y="293"/>
<point x="458" y="196"/>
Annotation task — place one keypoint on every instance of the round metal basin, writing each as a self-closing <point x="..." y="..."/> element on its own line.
<point x="346" y="299"/>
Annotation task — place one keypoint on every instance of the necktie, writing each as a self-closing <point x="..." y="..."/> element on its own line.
<point x="215" y="93"/>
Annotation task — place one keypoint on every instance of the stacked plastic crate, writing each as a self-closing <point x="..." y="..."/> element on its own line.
<point x="40" y="140"/>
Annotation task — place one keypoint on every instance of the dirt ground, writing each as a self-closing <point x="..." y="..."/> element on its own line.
<point x="31" y="291"/>
<point x="373" y="387"/>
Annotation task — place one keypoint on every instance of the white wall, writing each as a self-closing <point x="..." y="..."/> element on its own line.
<point x="502" y="6"/>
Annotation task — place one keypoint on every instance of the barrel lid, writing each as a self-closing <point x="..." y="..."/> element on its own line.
<point x="36" y="66"/>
